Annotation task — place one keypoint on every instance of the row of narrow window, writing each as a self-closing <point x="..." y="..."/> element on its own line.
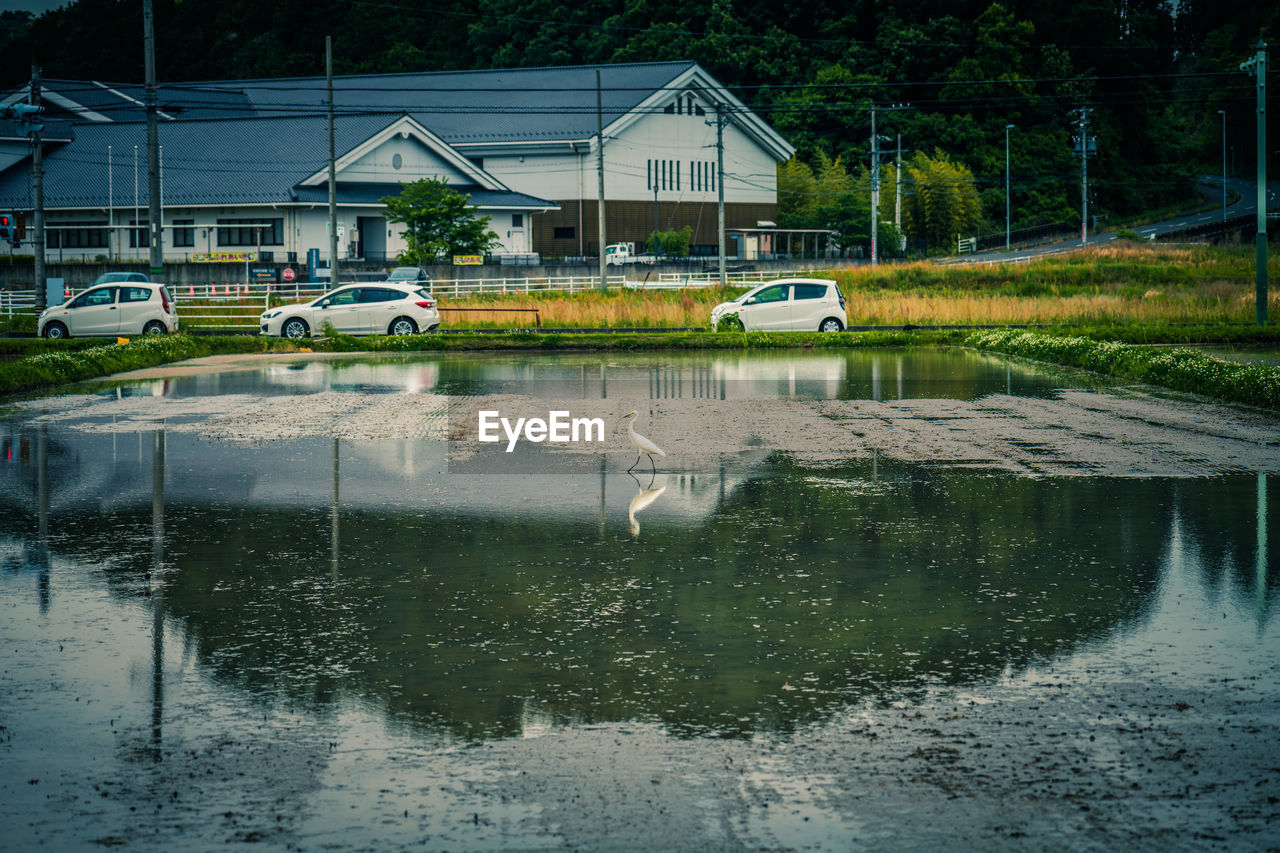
<point x="667" y="175"/>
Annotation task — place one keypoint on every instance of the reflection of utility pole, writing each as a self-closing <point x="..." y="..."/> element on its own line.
<point x="157" y="599"/>
<point x="1258" y="68"/>
<point x="1260" y="572"/>
<point x="42" y="508"/>
<point x="333" y="517"/>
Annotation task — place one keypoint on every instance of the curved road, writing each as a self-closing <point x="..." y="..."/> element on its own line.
<point x="1246" y="205"/>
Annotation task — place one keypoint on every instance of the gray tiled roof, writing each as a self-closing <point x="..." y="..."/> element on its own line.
<point x="266" y="136"/>
<point x="228" y="161"/>
<point x="518" y="104"/>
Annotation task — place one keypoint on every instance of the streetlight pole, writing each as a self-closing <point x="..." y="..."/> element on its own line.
<point x="1008" y="207"/>
<point x="1223" y="113"/>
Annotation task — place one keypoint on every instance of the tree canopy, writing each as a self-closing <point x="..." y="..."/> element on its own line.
<point x="1154" y="72"/>
<point x="439" y="222"/>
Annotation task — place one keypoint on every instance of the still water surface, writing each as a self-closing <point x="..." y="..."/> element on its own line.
<point x="318" y="574"/>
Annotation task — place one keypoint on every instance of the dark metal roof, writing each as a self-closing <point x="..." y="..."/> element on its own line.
<point x="506" y="105"/>
<point x="246" y="161"/>
<point x="219" y="162"/>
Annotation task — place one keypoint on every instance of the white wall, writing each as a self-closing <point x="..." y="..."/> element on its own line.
<point x="416" y="161"/>
<point x="752" y="171"/>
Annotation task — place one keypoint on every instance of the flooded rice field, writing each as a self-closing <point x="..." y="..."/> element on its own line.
<point x="896" y="600"/>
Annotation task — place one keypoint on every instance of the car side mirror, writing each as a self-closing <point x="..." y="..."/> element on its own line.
<point x="324" y="304"/>
<point x="751" y="301"/>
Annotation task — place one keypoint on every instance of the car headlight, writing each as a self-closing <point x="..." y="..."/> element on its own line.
<point x="269" y="314"/>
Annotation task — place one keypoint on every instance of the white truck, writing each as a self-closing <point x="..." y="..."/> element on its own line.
<point x="616" y="254"/>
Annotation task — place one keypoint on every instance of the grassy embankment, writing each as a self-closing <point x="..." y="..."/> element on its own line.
<point x="1117" y="285"/>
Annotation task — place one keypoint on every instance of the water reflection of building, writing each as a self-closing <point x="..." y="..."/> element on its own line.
<point x="365" y="582"/>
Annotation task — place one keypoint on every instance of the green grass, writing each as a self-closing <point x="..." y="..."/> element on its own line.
<point x="32" y="365"/>
<point x="1178" y="369"/>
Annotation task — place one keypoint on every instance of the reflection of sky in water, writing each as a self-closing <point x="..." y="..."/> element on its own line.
<point x="342" y="602"/>
<point x="756" y="598"/>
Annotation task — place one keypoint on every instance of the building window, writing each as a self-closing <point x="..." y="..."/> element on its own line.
<point x="138" y="234"/>
<point x="250" y="232"/>
<point x="77" y="235"/>
<point x="677" y="174"/>
<point x="184" y="233"/>
<point x="517" y="220"/>
<point x="564" y="232"/>
<point x="713" y="176"/>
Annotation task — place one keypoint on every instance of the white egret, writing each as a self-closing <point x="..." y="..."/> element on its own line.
<point x="640" y="443"/>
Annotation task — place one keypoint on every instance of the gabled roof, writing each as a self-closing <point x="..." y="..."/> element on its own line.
<point x="214" y="162"/>
<point x="371" y="194"/>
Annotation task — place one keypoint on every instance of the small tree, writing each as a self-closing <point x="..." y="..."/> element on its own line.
<point x="673" y="244"/>
<point x="440" y="222"/>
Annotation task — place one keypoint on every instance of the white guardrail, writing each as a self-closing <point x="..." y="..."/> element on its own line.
<point x="236" y="305"/>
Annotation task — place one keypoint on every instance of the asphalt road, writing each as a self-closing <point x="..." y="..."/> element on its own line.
<point x="1245" y="206"/>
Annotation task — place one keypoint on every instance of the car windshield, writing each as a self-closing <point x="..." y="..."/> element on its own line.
<point x="406" y="274"/>
<point x="423" y="292"/>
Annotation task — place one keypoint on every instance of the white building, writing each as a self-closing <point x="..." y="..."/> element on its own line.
<point x="245" y="163"/>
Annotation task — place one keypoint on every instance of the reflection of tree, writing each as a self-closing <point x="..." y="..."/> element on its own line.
<point x="836" y="584"/>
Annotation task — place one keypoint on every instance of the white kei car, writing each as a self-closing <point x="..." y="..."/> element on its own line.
<point x="357" y="309"/>
<point x="787" y="305"/>
<point x="118" y="308"/>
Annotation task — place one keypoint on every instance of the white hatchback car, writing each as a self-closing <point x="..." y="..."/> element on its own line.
<point x="787" y="305"/>
<point x="121" y="308"/>
<point x="364" y="309"/>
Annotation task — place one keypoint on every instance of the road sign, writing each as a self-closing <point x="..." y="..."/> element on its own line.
<point x="289" y="274"/>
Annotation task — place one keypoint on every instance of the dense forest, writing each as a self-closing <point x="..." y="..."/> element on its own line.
<point x="1154" y="73"/>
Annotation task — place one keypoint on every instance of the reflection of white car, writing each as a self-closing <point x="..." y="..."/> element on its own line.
<point x="380" y="309"/>
<point x="787" y="305"/>
<point x="127" y="308"/>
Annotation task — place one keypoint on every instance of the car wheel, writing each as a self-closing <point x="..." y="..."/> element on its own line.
<point x="155" y="327"/>
<point x="55" y="331"/>
<point x="831" y="324"/>
<point x="403" y="326"/>
<point x="295" y="328"/>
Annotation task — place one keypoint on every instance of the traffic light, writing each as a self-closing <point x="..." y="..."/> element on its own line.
<point x="6" y="227"/>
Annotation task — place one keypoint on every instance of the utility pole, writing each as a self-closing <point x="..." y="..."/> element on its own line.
<point x="875" y="185"/>
<point x="724" y="278"/>
<point x="604" y="275"/>
<point x="334" y="263"/>
<point x="1258" y="68"/>
<point x="1084" y="175"/>
<point x="154" y="224"/>
<point x="1223" y="113"/>
<point x="37" y="198"/>
<point x="1008" y="206"/>
<point x="111" y="206"/>
<point x="897" y="188"/>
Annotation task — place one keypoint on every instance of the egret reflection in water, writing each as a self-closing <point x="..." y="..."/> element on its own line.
<point x="644" y="497"/>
